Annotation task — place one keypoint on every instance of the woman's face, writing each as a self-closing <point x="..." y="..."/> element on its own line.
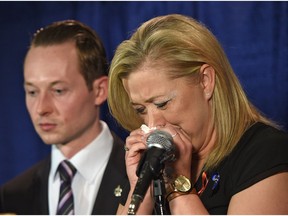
<point x="160" y="100"/>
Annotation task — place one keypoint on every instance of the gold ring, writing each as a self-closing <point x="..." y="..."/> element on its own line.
<point x="126" y="148"/>
<point x="174" y="135"/>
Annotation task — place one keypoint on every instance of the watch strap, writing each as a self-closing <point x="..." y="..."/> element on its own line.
<point x="173" y="194"/>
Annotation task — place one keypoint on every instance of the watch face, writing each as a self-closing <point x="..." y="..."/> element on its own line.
<point x="182" y="184"/>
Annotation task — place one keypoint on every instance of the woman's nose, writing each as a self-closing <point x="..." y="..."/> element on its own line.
<point x="155" y="118"/>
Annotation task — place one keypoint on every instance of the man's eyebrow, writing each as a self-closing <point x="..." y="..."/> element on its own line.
<point x="51" y="84"/>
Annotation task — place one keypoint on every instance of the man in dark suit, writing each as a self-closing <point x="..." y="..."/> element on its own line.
<point x="65" y="74"/>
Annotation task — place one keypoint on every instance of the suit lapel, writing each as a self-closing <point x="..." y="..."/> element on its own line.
<point x="41" y="188"/>
<point x="113" y="181"/>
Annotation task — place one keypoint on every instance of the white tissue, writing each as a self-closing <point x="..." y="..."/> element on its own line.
<point x="146" y="129"/>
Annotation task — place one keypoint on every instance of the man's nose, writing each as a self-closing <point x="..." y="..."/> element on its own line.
<point x="44" y="104"/>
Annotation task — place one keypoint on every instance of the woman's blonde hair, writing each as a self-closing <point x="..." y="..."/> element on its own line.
<point x="184" y="45"/>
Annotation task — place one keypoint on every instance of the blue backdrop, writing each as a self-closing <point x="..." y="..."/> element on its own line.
<point x="253" y="34"/>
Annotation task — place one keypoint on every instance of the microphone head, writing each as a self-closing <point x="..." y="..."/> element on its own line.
<point x="160" y="139"/>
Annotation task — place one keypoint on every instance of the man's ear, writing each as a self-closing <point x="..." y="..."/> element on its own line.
<point x="100" y="89"/>
<point x="207" y="80"/>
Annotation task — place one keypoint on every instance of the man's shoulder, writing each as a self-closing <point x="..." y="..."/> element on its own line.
<point x="24" y="193"/>
<point x="28" y="177"/>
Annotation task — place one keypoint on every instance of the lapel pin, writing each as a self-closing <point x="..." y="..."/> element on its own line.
<point x="215" y="179"/>
<point x="118" y="191"/>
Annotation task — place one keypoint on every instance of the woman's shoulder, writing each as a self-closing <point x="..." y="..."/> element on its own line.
<point x="263" y="139"/>
<point x="261" y="152"/>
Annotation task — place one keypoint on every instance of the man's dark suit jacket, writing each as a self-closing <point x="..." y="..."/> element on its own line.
<point x="27" y="194"/>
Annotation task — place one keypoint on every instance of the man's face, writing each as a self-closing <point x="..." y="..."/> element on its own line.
<point x="59" y="103"/>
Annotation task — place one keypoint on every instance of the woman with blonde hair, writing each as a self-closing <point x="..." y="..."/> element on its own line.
<point x="174" y="76"/>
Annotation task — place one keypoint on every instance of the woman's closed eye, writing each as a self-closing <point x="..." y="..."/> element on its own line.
<point x="162" y="105"/>
<point x="140" y="110"/>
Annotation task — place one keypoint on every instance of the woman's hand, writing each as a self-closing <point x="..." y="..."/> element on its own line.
<point x="184" y="149"/>
<point x="135" y="145"/>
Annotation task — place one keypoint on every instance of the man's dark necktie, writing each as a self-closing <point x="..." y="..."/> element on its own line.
<point x="66" y="203"/>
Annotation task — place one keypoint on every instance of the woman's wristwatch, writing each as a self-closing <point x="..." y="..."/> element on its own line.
<point x="180" y="186"/>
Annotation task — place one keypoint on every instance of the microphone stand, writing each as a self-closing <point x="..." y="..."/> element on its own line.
<point x="159" y="196"/>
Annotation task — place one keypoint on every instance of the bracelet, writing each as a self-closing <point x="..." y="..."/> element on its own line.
<point x="175" y="194"/>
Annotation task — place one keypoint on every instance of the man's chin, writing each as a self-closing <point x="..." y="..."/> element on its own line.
<point x="51" y="141"/>
<point x="53" y="138"/>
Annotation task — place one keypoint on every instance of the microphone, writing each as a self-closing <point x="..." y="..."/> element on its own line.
<point x="160" y="149"/>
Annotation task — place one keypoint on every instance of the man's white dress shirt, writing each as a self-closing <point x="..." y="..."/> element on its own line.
<point x="90" y="163"/>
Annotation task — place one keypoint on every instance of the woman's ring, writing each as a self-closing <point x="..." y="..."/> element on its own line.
<point x="126" y="148"/>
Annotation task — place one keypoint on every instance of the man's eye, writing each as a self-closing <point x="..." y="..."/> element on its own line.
<point x="31" y="93"/>
<point x="59" y="91"/>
